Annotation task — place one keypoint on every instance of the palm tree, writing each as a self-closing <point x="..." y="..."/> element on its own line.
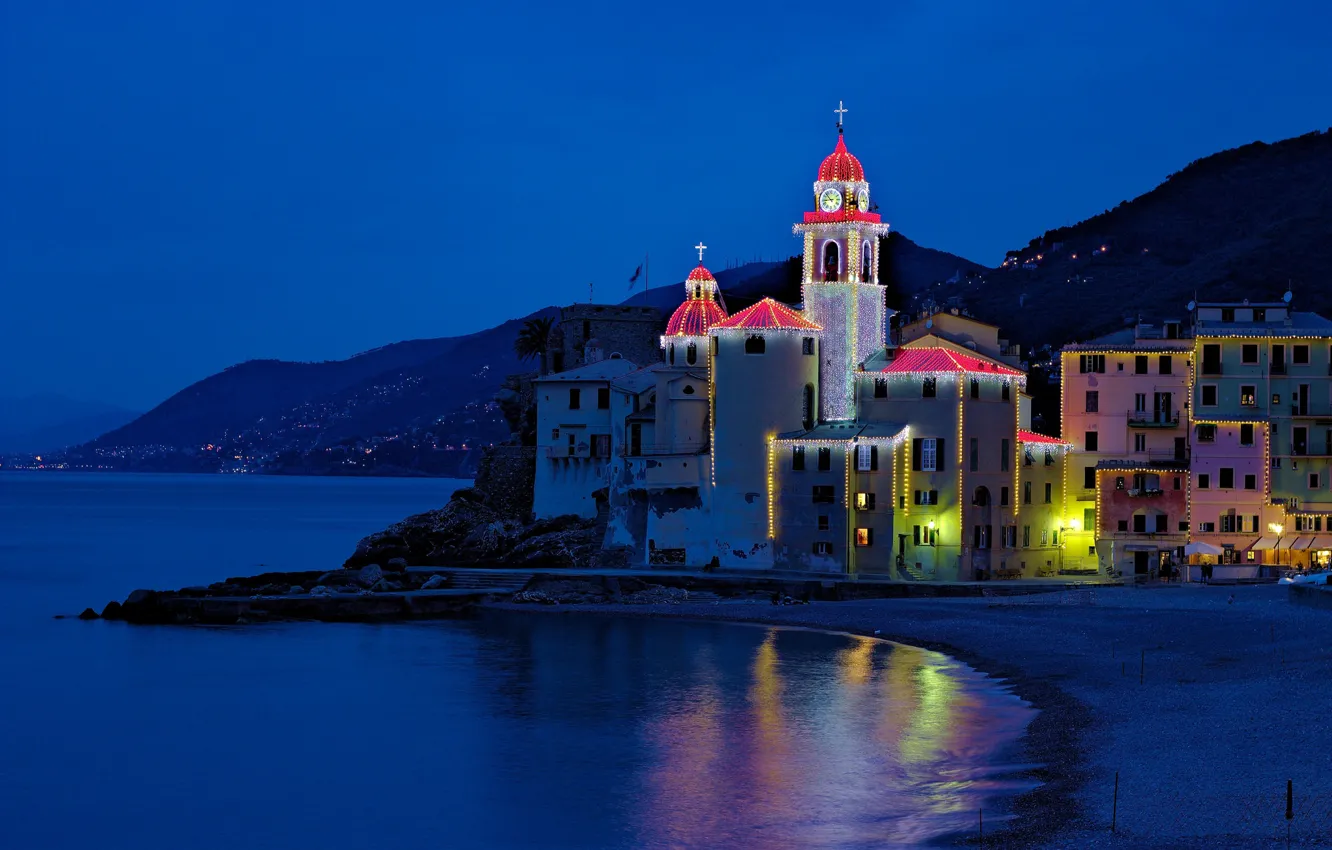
<point x="531" y="341"/>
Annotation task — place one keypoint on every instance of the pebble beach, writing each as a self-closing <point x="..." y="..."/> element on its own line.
<point x="1204" y="700"/>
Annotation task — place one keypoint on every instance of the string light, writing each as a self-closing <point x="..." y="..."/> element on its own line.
<point x="772" y="448"/>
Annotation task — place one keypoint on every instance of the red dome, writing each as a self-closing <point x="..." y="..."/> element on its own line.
<point x="695" y="316"/>
<point x="701" y="274"/>
<point x="841" y="166"/>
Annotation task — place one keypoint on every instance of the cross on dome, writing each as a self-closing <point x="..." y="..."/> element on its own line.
<point x="841" y="111"/>
<point x="700" y="248"/>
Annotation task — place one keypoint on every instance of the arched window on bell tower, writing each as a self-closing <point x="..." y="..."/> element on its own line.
<point x="866" y="266"/>
<point x="831" y="260"/>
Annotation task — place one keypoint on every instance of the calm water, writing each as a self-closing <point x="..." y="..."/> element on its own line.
<point x="504" y="731"/>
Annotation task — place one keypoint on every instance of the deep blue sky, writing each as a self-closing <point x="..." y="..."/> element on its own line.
<point x="188" y="185"/>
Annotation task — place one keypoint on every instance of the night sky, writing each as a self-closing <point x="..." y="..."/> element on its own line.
<point x="189" y="185"/>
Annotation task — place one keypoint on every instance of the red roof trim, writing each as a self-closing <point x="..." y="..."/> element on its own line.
<point x="945" y="360"/>
<point x="844" y="214"/>
<point x="768" y="315"/>
<point x="1041" y="439"/>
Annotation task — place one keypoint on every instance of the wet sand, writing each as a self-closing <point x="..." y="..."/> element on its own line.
<point x="1235" y="698"/>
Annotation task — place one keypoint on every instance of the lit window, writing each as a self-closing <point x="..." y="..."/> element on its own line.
<point x="864" y="536"/>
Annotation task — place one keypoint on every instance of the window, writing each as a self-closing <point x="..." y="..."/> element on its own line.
<point x="867" y="458"/>
<point x="1227" y="314"/>
<point x="554" y="433"/>
<point x="975" y="454"/>
<point x="927" y="497"/>
<point x="1119" y="482"/>
<point x="823" y="494"/>
<point x="797" y="458"/>
<point x="1049" y="457"/>
<point x="716" y="346"/>
<point x="1206" y="526"/>
<point x="603" y="398"/>
<point x="1088" y="519"/>
<point x="1183" y="525"/>
<point x="825" y="459"/>
<point x="1140" y="364"/>
<point x="864" y="536"/>
<point x="880" y="387"/>
<point x="928" y="388"/>
<point x="691" y="354"/>
<point x="755" y="344"/>
<point x="1093" y="401"/>
<point x="864" y="501"/>
<point x="1250" y="482"/>
<point x="1227" y="478"/>
<point x="1299" y="354"/>
<point x="1091" y="363"/>
<point x="1204" y="481"/>
<point x="822" y="547"/>
<point x="1026" y="492"/>
<point x="1140" y="442"/>
<point x="601" y="445"/>
<point x="1010" y="537"/>
<point x="1139" y="524"/>
<point x="1276" y="399"/>
<point x="1048" y="490"/>
<point x="1165" y="365"/>
<point x="1229" y="524"/>
<point x="927" y="454"/>
<point x="1003" y="391"/>
<point x="1003" y="455"/>
<point x="1260" y="314"/>
<point x="823" y="522"/>
<point x="1246" y="435"/>
<point x="1090" y="441"/>
<point x="1211" y="364"/>
<point x="1003" y="496"/>
<point x="1027" y="457"/>
<point x="1206" y="433"/>
<point x="1123" y="525"/>
<point x="1089" y="478"/>
<point x="1249" y="354"/>
<point x="1026" y="536"/>
<point x="1208" y="395"/>
<point x="1161" y="521"/>
<point x="1248" y="396"/>
<point x="1045" y="537"/>
<point x="1140" y="402"/>
<point x="806" y="345"/>
<point x="575" y="398"/>
<point x="975" y="388"/>
<point x="1313" y="481"/>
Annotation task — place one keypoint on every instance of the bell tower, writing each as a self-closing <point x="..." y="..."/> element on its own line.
<point x="840" y="282"/>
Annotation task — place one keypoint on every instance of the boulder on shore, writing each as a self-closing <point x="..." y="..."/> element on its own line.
<point x="88" y="614"/>
<point x="467" y="532"/>
<point x="370" y="575"/>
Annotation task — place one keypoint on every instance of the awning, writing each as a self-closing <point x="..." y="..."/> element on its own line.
<point x="1322" y="541"/>
<point x="1203" y="549"/>
<point x="1267" y="542"/>
<point x="1300" y="543"/>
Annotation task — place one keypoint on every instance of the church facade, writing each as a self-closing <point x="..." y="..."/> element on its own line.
<point x="805" y="438"/>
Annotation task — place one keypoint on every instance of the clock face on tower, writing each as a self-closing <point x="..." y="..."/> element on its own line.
<point x="862" y="200"/>
<point x="830" y="200"/>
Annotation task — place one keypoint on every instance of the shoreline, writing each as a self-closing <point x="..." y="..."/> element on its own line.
<point x="1197" y="767"/>
<point x="1050" y="744"/>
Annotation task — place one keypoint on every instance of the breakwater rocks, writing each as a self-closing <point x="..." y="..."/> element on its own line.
<point x="467" y="531"/>
<point x="372" y="593"/>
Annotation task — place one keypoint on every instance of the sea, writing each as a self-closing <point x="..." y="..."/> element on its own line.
<point x="507" y="730"/>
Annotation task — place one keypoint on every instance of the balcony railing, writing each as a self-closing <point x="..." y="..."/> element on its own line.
<point x="658" y="449"/>
<point x="1153" y="418"/>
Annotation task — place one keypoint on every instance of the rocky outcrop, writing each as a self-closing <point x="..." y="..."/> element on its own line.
<point x="467" y="532"/>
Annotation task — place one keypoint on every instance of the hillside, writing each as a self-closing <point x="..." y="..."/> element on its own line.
<point x="49" y="422"/>
<point x="1244" y="223"/>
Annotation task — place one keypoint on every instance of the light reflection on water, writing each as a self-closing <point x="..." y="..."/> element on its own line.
<point x="839" y="742"/>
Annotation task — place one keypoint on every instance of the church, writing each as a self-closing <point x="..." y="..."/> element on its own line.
<point x="810" y="438"/>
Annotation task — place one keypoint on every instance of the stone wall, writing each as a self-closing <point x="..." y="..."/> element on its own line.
<point x="632" y="332"/>
<point x="507" y="476"/>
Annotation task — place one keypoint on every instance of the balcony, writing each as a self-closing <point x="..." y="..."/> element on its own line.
<point x="1145" y="492"/>
<point x="1153" y="418"/>
<point x="662" y="449"/>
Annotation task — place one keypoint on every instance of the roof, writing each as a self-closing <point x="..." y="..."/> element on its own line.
<point x="638" y="380"/>
<point x="1299" y="325"/>
<point x="1040" y="439"/>
<point x="694" y="317"/>
<point x="767" y="315"/>
<point x="840" y="165"/>
<point x="701" y="273"/>
<point x="836" y="431"/>
<point x="913" y="360"/>
<point x="602" y="370"/>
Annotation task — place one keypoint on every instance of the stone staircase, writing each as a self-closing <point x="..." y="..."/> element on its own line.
<point x="705" y="596"/>
<point x="913" y="571"/>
